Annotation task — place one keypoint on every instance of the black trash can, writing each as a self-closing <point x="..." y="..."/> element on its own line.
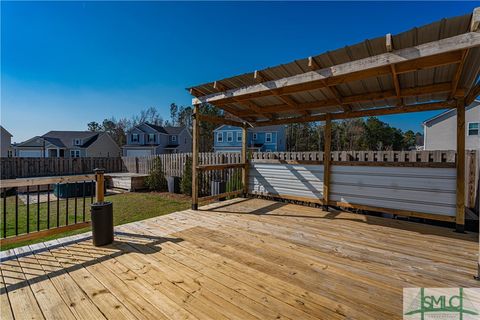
<point x="173" y="184"/>
<point x="102" y="223"/>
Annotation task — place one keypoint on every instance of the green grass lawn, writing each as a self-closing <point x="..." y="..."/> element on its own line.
<point x="127" y="207"/>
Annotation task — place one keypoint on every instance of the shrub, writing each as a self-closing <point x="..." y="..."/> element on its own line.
<point x="156" y="180"/>
<point x="186" y="183"/>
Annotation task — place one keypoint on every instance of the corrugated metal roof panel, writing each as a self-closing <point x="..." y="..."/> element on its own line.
<point x="442" y="29"/>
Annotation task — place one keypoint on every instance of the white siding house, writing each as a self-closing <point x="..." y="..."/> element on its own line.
<point x="440" y="132"/>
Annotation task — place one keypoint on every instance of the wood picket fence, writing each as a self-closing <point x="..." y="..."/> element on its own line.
<point x="13" y="168"/>
<point x="173" y="164"/>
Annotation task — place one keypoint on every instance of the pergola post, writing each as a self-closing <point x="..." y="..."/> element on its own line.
<point x="460" y="216"/>
<point x="196" y="134"/>
<point x="326" y="160"/>
<point x="244" y="159"/>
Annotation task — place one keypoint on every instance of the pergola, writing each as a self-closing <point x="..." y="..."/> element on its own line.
<point x="427" y="68"/>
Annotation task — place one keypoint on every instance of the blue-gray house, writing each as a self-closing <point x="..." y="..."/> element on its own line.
<point x="260" y="139"/>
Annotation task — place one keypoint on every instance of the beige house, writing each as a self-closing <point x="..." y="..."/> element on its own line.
<point x="5" y="143"/>
<point x="440" y="131"/>
<point x="69" y="144"/>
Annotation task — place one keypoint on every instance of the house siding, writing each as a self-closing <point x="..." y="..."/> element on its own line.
<point x="184" y="141"/>
<point x="162" y="139"/>
<point x="277" y="142"/>
<point x="104" y="146"/>
<point x="441" y="133"/>
<point x="5" y="142"/>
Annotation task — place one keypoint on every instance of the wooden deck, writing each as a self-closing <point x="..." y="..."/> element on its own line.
<point x="242" y="259"/>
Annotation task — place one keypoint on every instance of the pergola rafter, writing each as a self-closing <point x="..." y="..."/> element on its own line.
<point x="429" y="68"/>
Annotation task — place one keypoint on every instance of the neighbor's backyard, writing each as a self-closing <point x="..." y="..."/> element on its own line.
<point x="127" y="207"/>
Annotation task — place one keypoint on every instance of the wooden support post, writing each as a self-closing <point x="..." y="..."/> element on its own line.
<point x="244" y="159"/>
<point x="326" y="160"/>
<point x="460" y="216"/>
<point x="100" y="185"/>
<point x="196" y="134"/>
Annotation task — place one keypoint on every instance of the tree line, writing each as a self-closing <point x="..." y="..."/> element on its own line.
<point x="359" y="134"/>
<point x="350" y="134"/>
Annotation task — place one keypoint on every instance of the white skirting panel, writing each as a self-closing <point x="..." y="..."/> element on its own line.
<point x="418" y="189"/>
<point x="427" y="190"/>
<point x="286" y="179"/>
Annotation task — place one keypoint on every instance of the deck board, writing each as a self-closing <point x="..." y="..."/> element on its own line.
<point x="239" y="259"/>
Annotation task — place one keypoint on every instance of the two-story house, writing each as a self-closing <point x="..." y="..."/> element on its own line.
<point x="6" y="149"/>
<point x="147" y="139"/>
<point x="69" y="144"/>
<point x="440" y="132"/>
<point x="260" y="139"/>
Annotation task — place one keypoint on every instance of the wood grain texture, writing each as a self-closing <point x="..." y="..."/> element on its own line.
<point x="460" y="164"/>
<point x="238" y="259"/>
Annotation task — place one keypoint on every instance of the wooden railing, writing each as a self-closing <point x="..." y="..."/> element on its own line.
<point x="38" y="207"/>
<point x="217" y="181"/>
<point x="174" y="164"/>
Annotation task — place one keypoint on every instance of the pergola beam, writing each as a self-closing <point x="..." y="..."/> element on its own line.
<point x="458" y="73"/>
<point x="350" y="71"/>
<point x="313" y="65"/>
<point x="219" y="86"/>
<point x="374" y="96"/>
<point x="473" y="94"/>
<point x="219" y="120"/>
<point x="292" y="103"/>
<point x="362" y="113"/>
<point x="256" y="109"/>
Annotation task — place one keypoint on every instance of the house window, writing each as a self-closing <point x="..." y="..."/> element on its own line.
<point x="77" y="142"/>
<point x="75" y="153"/>
<point x="229" y="136"/>
<point x="268" y="137"/>
<point x="135" y="137"/>
<point x="10" y="153"/>
<point x="239" y="137"/>
<point x="254" y="136"/>
<point x="473" y="129"/>
<point x="174" y="138"/>
<point x="219" y="137"/>
<point x="151" y="137"/>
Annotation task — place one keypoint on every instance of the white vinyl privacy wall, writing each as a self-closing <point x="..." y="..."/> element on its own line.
<point x="417" y="189"/>
<point x="297" y="180"/>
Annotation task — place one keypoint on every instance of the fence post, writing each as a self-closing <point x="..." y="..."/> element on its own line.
<point x="460" y="216"/>
<point x="244" y="160"/>
<point x="99" y="186"/>
<point x="195" y="129"/>
<point x="326" y="161"/>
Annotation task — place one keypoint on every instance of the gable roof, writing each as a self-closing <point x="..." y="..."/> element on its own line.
<point x="174" y="130"/>
<point x="91" y="141"/>
<point x="449" y="113"/>
<point x="154" y="126"/>
<point x="256" y="129"/>
<point x="5" y="131"/>
<point x="55" y="141"/>
<point x="66" y="138"/>
<point x="161" y="129"/>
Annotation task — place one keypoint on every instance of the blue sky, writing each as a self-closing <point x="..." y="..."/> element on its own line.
<point x="64" y="64"/>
